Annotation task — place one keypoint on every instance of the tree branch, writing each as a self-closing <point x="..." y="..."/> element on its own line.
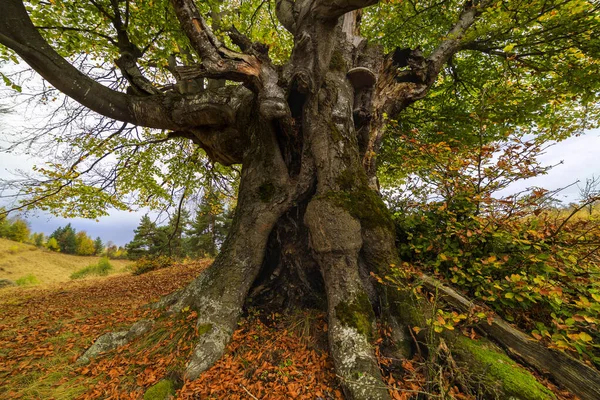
<point x="217" y="60"/>
<point x="330" y="9"/>
<point x="253" y="68"/>
<point x="163" y="111"/>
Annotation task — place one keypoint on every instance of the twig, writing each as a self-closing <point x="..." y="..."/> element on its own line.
<point x="247" y="391"/>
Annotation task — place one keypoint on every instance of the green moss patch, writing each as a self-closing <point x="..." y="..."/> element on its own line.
<point x="357" y="314"/>
<point x="364" y="204"/>
<point x="204" y="328"/>
<point x="498" y="367"/>
<point x="164" y="389"/>
<point x="335" y="132"/>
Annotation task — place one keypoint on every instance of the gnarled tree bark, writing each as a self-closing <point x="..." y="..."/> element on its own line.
<point x="307" y="136"/>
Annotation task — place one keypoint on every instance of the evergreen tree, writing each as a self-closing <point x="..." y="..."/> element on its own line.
<point x="66" y="238"/>
<point x="175" y="238"/>
<point x="98" y="246"/>
<point x="144" y="240"/>
<point x="209" y="227"/>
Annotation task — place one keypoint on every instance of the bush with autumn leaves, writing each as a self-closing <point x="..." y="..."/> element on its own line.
<point x="531" y="260"/>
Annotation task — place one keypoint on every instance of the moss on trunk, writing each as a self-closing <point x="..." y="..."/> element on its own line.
<point x="357" y="314"/>
<point x="497" y="369"/>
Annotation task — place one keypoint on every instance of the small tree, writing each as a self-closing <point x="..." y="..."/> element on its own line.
<point x="18" y="230"/>
<point x="589" y="193"/>
<point x="52" y="244"/>
<point x="38" y="239"/>
<point x="84" y="245"/>
<point x="66" y="238"/>
<point x="208" y="229"/>
<point x="111" y="249"/>
<point x="175" y="234"/>
<point x="144" y="240"/>
<point x="98" y="246"/>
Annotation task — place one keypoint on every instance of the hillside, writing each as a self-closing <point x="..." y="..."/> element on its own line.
<point x="44" y="330"/>
<point x="19" y="259"/>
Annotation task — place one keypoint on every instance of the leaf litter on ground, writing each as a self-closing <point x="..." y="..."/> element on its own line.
<point x="44" y="330"/>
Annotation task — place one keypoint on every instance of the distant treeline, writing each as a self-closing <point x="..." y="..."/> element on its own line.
<point x="64" y="239"/>
<point x="183" y="236"/>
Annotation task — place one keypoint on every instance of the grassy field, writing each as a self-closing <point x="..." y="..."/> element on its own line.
<point x="20" y="260"/>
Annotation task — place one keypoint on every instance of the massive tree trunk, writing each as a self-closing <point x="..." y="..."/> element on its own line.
<point x="310" y="227"/>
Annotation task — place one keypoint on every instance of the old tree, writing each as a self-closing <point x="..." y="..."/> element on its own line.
<point x="303" y="95"/>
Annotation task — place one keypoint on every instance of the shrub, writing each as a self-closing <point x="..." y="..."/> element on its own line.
<point x="102" y="268"/>
<point x="147" y="264"/>
<point x="52" y="244"/>
<point x="533" y="263"/>
<point x="27" y="280"/>
<point x="15" y="249"/>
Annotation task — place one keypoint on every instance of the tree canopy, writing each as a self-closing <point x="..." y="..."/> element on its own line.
<point x="504" y="66"/>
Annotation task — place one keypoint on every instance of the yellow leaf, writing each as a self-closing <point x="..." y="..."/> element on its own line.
<point x="585" y="337"/>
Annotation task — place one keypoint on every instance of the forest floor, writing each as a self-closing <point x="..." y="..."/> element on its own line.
<point x="43" y="330"/>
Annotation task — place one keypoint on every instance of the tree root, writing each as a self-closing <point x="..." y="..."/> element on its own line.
<point x="112" y="340"/>
<point x="336" y="240"/>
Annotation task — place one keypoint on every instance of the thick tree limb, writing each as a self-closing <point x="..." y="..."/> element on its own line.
<point x="397" y="90"/>
<point x="206" y="113"/>
<point x="254" y="68"/>
<point x="413" y="85"/>
<point x="329" y="9"/>
<point x="217" y="60"/>
<point x="130" y="53"/>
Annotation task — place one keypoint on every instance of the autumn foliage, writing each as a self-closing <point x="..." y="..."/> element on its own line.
<point x="525" y="256"/>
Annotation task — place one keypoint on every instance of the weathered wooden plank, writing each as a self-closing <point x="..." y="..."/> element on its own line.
<point x="572" y="374"/>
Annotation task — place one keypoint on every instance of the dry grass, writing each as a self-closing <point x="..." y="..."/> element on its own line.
<point x="19" y="259"/>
